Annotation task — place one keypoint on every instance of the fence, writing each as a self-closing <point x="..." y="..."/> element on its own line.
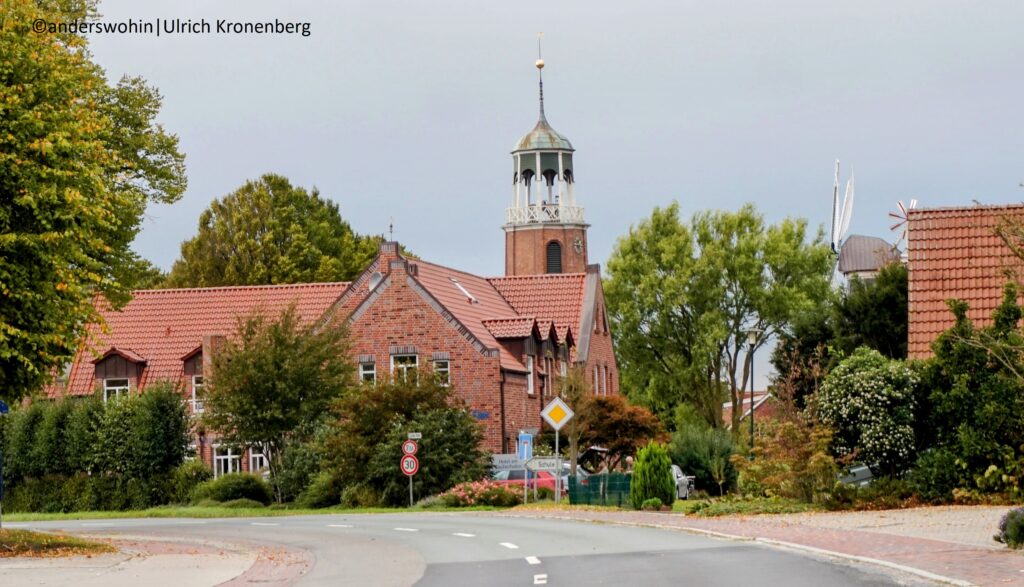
<point x="610" y="489"/>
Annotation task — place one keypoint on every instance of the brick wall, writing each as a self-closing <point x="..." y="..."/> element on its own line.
<point x="526" y="249"/>
<point x="602" y="353"/>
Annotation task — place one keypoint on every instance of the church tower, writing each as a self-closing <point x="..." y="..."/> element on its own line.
<point x="544" y="228"/>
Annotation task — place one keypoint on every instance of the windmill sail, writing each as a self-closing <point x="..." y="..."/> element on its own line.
<point x="847" y="215"/>
<point x="835" y="211"/>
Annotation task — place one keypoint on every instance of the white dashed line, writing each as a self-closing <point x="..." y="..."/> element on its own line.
<point x="508" y="545"/>
<point x="463" y="534"/>
<point x="540" y="579"/>
<point x="533" y="560"/>
<point x="407" y="529"/>
<point x="265" y="524"/>
<point x="339" y="525"/>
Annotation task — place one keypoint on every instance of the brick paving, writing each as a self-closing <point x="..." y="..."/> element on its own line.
<point x="942" y="541"/>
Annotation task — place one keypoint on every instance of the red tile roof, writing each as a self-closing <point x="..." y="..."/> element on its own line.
<point x="126" y="353"/>
<point x="163" y="326"/>
<point x="483" y="302"/>
<point x="511" y="327"/>
<point x="554" y="298"/>
<point x="954" y="253"/>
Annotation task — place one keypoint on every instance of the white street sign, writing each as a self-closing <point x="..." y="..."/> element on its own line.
<point x="542" y="464"/>
<point x="415" y="435"/>
<point x="506" y="462"/>
<point x="557" y="413"/>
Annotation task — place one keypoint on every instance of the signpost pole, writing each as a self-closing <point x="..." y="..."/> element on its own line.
<point x="410" y="491"/>
<point x="558" y="471"/>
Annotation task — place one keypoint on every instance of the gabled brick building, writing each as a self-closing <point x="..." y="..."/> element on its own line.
<point x="955" y="253"/>
<point x="500" y="342"/>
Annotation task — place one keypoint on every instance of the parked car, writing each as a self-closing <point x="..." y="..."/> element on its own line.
<point x="581" y="474"/>
<point x="518" y="477"/>
<point x="684" y="483"/>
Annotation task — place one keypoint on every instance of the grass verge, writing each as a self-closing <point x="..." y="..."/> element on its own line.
<point x="28" y="543"/>
<point x="727" y="506"/>
<point x="222" y="512"/>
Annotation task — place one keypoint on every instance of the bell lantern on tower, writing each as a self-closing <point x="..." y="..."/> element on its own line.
<point x="544" y="227"/>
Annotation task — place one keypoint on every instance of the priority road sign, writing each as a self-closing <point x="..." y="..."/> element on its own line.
<point x="409" y="447"/>
<point x="557" y="413"/>
<point x="410" y="465"/>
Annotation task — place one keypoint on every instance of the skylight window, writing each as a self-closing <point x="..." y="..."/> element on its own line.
<point x="464" y="291"/>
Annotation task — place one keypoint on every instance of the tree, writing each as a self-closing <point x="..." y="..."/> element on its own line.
<point x="874" y="313"/>
<point x="574" y="389"/>
<point x="269" y="232"/>
<point x="683" y="298"/>
<point x="868" y="400"/>
<point x="363" y="447"/>
<point x="79" y="161"/>
<point x="620" y="428"/>
<point x="271" y="378"/>
<point x="652" y="477"/>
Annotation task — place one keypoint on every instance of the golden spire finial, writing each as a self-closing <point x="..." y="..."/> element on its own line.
<point x="540" y="59"/>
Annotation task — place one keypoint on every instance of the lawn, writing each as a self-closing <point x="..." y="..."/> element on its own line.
<point x="222" y="512"/>
<point x="28" y="543"/>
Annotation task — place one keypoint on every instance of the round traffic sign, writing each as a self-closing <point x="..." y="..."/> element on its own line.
<point x="410" y="465"/>
<point x="409" y="447"/>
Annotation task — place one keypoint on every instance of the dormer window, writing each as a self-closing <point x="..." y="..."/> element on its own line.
<point x="115" y="388"/>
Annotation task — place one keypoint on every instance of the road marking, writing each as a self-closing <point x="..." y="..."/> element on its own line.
<point x="265" y="524"/>
<point x="407" y="529"/>
<point x="339" y="525"/>
<point x="508" y="545"/>
<point x="540" y="579"/>
<point x="192" y="521"/>
<point x="17" y="525"/>
<point x="464" y="535"/>
<point x="533" y="560"/>
<point x="97" y="524"/>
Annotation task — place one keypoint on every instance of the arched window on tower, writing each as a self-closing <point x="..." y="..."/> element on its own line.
<point x="554" y="257"/>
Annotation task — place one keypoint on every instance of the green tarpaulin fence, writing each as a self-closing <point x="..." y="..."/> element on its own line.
<point x="610" y="489"/>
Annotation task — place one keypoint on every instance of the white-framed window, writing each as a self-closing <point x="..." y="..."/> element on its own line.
<point x="115" y="388"/>
<point x="442" y="371"/>
<point x="257" y="461"/>
<point x="192" y="453"/>
<point x="403" y="366"/>
<point x="529" y="375"/>
<point x="604" y="380"/>
<point x="226" y="460"/>
<point x="197" y="394"/>
<point x="368" y="372"/>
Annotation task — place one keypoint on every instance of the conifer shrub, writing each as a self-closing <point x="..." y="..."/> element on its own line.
<point x="652" y="476"/>
<point x="234" y="486"/>
<point x="1011" y="529"/>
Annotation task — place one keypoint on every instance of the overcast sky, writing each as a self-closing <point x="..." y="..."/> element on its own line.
<point x="409" y="110"/>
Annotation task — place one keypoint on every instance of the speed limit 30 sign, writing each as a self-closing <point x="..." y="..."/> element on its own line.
<point x="410" y="465"/>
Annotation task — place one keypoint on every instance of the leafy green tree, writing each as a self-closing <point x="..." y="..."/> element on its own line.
<point x="79" y="161"/>
<point x="652" y="477"/>
<point x="273" y="376"/>
<point x="869" y="401"/>
<point x="804" y="354"/>
<point x="145" y="275"/>
<point x="874" y="313"/>
<point x="270" y="232"/>
<point x="363" y="448"/>
<point x="683" y="298"/>
<point x="705" y="453"/>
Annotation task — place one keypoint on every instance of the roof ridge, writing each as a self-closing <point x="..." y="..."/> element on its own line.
<point x="536" y="277"/>
<point x="315" y="284"/>
<point x="972" y="208"/>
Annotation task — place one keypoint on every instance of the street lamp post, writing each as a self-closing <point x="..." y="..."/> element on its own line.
<point x="752" y="336"/>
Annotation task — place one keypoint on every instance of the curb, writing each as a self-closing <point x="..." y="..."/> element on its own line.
<point x="781" y="544"/>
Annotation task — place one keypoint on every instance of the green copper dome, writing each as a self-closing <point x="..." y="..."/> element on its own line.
<point x="543" y="137"/>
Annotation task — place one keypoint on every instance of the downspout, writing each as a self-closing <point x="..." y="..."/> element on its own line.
<point x="501" y="393"/>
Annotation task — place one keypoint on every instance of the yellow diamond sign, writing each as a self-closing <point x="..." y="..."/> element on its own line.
<point x="557" y="413"/>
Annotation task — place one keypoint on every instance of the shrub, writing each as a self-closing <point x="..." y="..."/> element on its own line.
<point x="324" y="491"/>
<point x="652" y="476"/>
<point x="651" y="505"/>
<point x="706" y="454"/>
<point x="1011" y="529"/>
<point x="234" y="486"/>
<point x="359" y="496"/>
<point x="791" y="460"/>
<point x="242" y="503"/>
<point x="935" y="475"/>
<point x="186" y="477"/>
<point x="484" y="492"/>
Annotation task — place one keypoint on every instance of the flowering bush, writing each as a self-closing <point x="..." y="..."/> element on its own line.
<point x="869" y="401"/>
<point x="1011" y="529"/>
<point x="484" y="492"/>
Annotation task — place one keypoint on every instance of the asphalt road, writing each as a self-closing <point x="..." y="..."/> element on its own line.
<point x="480" y="549"/>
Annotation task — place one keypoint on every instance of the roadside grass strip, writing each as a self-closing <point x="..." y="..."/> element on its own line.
<point x="42" y="544"/>
<point x="217" y="511"/>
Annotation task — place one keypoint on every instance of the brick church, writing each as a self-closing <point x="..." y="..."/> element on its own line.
<point x="500" y="342"/>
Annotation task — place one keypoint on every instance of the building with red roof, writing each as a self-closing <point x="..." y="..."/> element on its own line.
<point x="955" y="253"/>
<point x="500" y="342"/>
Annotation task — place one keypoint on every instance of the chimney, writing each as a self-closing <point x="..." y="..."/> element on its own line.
<point x="388" y="253"/>
<point x="212" y="344"/>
